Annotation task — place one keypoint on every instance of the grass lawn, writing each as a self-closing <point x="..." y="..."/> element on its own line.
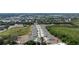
<point x="11" y="34"/>
<point x="68" y="35"/>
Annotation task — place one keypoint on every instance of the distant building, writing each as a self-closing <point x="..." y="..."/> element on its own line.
<point x="5" y="20"/>
<point x="68" y="20"/>
<point x="16" y="25"/>
<point x="2" y="27"/>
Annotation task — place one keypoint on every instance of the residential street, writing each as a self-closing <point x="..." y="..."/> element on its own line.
<point x="39" y="31"/>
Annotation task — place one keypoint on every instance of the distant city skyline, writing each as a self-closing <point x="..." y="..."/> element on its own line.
<point x="55" y="14"/>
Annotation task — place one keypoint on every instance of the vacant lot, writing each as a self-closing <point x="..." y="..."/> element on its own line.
<point x="76" y="21"/>
<point x="11" y="35"/>
<point x="68" y="34"/>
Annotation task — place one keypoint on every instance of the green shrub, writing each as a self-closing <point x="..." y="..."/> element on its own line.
<point x="68" y="35"/>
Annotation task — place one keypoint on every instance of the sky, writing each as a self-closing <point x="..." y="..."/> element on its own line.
<point x="39" y="6"/>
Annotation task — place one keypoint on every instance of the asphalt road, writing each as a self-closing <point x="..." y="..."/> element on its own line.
<point x="39" y="31"/>
<point x="34" y="33"/>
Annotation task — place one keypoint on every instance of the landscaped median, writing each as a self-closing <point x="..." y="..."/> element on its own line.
<point x="67" y="34"/>
<point x="10" y="35"/>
